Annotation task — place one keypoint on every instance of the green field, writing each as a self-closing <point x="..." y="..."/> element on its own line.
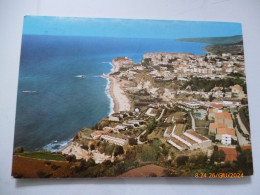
<point x="43" y="155"/>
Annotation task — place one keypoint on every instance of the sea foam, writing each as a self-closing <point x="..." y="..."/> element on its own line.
<point x="55" y="145"/>
<point x="111" y="108"/>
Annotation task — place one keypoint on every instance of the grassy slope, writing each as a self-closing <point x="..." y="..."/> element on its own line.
<point x="43" y="155"/>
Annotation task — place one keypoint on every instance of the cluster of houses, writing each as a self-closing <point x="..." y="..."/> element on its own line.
<point x="186" y="140"/>
<point x="188" y="64"/>
<point x="235" y="91"/>
<point x="222" y="128"/>
<point x="182" y="66"/>
<point x="103" y="135"/>
<point x="112" y="134"/>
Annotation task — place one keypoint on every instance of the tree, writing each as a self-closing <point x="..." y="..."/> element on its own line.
<point x="244" y="101"/>
<point x="146" y="62"/>
<point x="215" y="148"/>
<point x="165" y="151"/>
<point x="238" y="148"/>
<point x="85" y="147"/>
<point x="92" y="147"/>
<point x="109" y="149"/>
<point x="130" y="154"/>
<point x="245" y="161"/>
<point x="82" y="163"/>
<point x="90" y="163"/>
<point x="181" y="160"/>
<point x="118" y="150"/>
<point x="18" y="149"/>
<point x="218" y="156"/>
<point x="245" y="88"/>
<point x="151" y="126"/>
<point x="143" y="138"/>
<point x="71" y="158"/>
<point x="132" y="141"/>
<point x="211" y="98"/>
<point x="107" y="163"/>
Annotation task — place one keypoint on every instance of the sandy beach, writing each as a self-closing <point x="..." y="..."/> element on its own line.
<point x="121" y="101"/>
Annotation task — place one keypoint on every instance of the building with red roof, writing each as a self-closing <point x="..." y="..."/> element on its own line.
<point x="225" y="135"/>
<point x="225" y="118"/>
<point x="213" y="128"/>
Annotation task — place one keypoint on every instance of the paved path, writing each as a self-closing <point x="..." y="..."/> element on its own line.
<point x="138" y="138"/>
<point x="192" y="122"/>
<point x="241" y="124"/>
<point x="241" y="139"/>
<point x="161" y="115"/>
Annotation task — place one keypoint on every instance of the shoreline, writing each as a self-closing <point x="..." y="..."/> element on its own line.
<point x="112" y="105"/>
<point x="118" y="102"/>
<point x="115" y="92"/>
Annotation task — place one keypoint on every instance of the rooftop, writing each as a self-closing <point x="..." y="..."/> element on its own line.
<point x="223" y="115"/>
<point x="228" y="131"/>
<point x="97" y="133"/>
<point x="178" y="142"/>
<point x="216" y="125"/>
<point x="187" y="139"/>
<point x="197" y="135"/>
<point x="217" y="105"/>
<point x="107" y="129"/>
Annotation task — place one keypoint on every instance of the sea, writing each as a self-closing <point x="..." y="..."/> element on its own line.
<point x="60" y="87"/>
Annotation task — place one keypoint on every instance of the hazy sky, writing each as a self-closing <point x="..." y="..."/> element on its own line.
<point x="40" y="25"/>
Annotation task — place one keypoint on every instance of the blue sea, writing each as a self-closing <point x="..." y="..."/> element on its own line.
<point x="53" y="102"/>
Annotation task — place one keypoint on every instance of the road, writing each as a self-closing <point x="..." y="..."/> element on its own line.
<point x="192" y="122"/>
<point x="138" y="138"/>
<point x="241" y="124"/>
<point x="241" y="139"/>
<point x="161" y="115"/>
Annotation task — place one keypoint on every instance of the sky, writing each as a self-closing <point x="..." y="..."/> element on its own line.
<point x="132" y="28"/>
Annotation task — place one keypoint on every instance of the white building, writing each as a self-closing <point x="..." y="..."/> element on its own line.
<point x="113" y="140"/>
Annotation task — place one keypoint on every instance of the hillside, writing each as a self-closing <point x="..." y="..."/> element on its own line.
<point x="24" y="167"/>
<point x="146" y="171"/>
<point x="214" y="40"/>
<point x="233" y="49"/>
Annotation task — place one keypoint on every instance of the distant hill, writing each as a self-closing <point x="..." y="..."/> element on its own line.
<point x="214" y="40"/>
<point x="218" y="49"/>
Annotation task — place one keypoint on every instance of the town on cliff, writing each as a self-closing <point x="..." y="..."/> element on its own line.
<point x="175" y="114"/>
